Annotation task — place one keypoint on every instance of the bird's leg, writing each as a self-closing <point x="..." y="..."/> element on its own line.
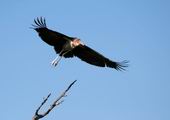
<point x="58" y="58"/>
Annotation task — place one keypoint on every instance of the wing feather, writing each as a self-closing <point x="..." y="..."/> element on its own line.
<point x="90" y="56"/>
<point x="51" y="37"/>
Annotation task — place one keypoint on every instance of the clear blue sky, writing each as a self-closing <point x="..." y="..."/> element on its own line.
<point x="135" y="30"/>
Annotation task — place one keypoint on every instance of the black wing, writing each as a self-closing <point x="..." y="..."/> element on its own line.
<point x="51" y="37"/>
<point x="92" y="57"/>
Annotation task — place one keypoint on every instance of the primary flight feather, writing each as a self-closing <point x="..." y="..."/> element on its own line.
<point x="67" y="47"/>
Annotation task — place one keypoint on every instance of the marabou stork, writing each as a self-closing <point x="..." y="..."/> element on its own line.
<point x="68" y="47"/>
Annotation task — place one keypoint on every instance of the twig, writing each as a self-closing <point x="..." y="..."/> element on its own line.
<point x="57" y="102"/>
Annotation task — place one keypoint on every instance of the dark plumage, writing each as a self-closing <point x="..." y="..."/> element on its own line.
<point x="67" y="47"/>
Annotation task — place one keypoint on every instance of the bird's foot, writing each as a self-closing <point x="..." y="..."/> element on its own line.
<point x="54" y="63"/>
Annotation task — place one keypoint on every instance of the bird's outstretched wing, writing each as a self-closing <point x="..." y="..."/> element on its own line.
<point x="90" y="56"/>
<point x="51" y="37"/>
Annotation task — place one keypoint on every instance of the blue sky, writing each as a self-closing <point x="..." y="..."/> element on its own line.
<point x="135" y="30"/>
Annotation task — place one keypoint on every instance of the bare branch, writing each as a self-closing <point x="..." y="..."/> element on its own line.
<point x="42" y="104"/>
<point x="57" y="102"/>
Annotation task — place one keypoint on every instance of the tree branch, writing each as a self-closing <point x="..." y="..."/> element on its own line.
<point x="57" y="102"/>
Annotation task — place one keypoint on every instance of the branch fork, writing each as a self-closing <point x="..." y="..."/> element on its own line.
<point x="57" y="102"/>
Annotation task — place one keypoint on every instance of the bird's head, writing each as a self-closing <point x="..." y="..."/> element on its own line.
<point x="76" y="42"/>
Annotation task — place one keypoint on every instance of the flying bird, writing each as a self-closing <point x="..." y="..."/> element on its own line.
<point x="69" y="47"/>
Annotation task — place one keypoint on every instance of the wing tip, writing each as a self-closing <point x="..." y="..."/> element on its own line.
<point x="120" y="66"/>
<point x="40" y="22"/>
